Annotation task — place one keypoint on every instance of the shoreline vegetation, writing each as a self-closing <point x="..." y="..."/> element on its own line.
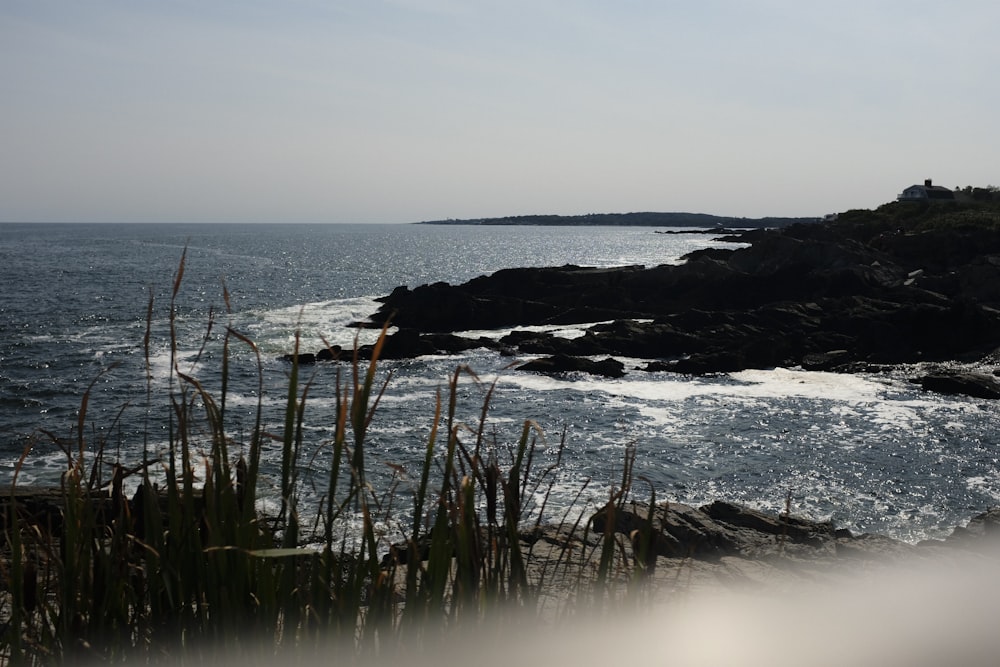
<point x="166" y="558"/>
<point x="190" y="559"/>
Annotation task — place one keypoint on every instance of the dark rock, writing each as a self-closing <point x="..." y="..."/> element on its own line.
<point x="986" y="524"/>
<point x="708" y="363"/>
<point x="867" y="545"/>
<point x="719" y="532"/>
<point x="510" y="297"/>
<point x="519" y="337"/>
<point x="534" y="342"/>
<point x="406" y="343"/>
<point x="400" y="553"/>
<point x="329" y="353"/>
<point x="825" y="361"/>
<point x="452" y="344"/>
<point x="982" y="532"/>
<point x="716" y="530"/>
<point x="795" y="528"/>
<point x="659" y="366"/>
<point x="963" y="383"/>
<point x="309" y="358"/>
<point x="722" y="529"/>
<point x="827" y="296"/>
<point x="304" y="359"/>
<point x="562" y="363"/>
<point x="941" y="249"/>
<point x="681" y="531"/>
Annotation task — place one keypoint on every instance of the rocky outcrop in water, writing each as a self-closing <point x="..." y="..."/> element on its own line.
<point x="737" y="546"/>
<point x="561" y="363"/>
<point x="718" y="529"/>
<point x="883" y="287"/>
<point x="723" y="529"/>
<point x="962" y="383"/>
<point x="721" y="541"/>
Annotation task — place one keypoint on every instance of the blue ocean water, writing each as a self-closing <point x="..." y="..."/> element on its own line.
<point x="870" y="452"/>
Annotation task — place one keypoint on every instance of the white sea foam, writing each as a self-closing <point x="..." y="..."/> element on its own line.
<point x="317" y="321"/>
<point x="752" y="384"/>
<point x="186" y="361"/>
<point x="989" y="484"/>
<point x="558" y="331"/>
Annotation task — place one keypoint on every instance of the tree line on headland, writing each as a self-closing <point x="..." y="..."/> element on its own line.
<point x="969" y="193"/>
<point x="642" y="219"/>
<point x="990" y="193"/>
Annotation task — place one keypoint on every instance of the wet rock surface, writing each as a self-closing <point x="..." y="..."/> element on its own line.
<point x="957" y="382"/>
<point x="562" y="363"/>
<point x="682" y="547"/>
<point x="737" y="546"/>
<point x="723" y="528"/>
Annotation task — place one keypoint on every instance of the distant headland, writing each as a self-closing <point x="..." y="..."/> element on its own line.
<point x="647" y="219"/>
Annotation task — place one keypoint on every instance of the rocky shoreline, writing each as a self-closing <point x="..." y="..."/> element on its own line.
<point x="710" y="542"/>
<point x="869" y="290"/>
<point x="906" y="284"/>
<point x="875" y="297"/>
<point x="734" y="546"/>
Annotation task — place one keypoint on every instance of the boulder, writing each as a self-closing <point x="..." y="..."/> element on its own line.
<point x="405" y="343"/>
<point x="963" y="383"/>
<point x="304" y="359"/>
<point x="825" y="361"/>
<point x="562" y="363"/>
<point x="718" y="529"/>
<point x="309" y="358"/>
<point x="331" y="353"/>
<point x="985" y="525"/>
<point x="452" y="344"/>
<point x="794" y="528"/>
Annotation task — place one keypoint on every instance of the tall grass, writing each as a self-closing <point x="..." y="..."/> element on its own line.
<point x="190" y="562"/>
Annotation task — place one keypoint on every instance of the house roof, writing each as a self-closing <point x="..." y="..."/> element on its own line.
<point x="931" y="188"/>
<point x="931" y="191"/>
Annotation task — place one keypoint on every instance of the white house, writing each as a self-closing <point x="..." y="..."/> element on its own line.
<point x="926" y="191"/>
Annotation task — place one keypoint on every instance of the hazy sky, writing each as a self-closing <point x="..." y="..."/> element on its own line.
<point x="406" y="110"/>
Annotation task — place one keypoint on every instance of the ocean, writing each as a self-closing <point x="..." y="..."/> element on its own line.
<point x="870" y="452"/>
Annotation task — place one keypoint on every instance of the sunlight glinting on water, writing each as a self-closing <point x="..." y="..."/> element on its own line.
<point x="870" y="451"/>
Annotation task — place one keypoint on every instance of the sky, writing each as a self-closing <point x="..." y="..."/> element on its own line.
<point x="389" y="111"/>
